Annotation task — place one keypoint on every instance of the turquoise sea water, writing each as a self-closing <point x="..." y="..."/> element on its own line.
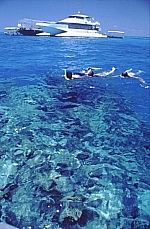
<point x="74" y="154"/>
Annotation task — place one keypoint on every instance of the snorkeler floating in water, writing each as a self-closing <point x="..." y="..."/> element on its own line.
<point x="70" y="75"/>
<point x="89" y="72"/>
<point x="129" y="74"/>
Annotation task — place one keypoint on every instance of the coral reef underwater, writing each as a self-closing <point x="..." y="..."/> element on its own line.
<point x="73" y="155"/>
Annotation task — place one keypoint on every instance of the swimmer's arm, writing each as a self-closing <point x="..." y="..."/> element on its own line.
<point x="65" y="74"/>
<point x="128" y="70"/>
<point x="66" y="77"/>
<point x="106" y="73"/>
<point x="103" y="74"/>
<point x="110" y="72"/>
<point x="141" y="80"/>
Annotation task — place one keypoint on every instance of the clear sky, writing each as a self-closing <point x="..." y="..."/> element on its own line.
<point x="130" y="16"/>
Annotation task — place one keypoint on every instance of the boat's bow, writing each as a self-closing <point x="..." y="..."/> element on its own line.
<point x="52" y="28"/>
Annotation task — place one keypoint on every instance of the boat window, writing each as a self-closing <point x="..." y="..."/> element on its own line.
<point x="80" y="26"/>
<point x="78" y="17"/>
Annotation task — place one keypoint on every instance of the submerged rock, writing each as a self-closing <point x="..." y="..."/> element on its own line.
<point x="7" y="168"/>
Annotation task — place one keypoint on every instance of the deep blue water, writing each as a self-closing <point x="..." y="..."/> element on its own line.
<point x="74" y="154"/>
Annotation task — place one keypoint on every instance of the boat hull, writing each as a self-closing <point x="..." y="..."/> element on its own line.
<point x="60" y="30"/>
<point x="29" y="32"/>
<point x="115" y="34"/>
<point x="81" y="34"/>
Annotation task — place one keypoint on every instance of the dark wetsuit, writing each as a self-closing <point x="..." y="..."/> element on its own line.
<point x="79" y="73"/>
<point x="125" y="74"/>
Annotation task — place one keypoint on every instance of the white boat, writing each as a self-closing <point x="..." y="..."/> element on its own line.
<point x="76" y="25"/>
<point x="115" y="34"/>
<point x="12" y="31"/>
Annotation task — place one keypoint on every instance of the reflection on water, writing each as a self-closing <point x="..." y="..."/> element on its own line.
<point x="74" y="155"/>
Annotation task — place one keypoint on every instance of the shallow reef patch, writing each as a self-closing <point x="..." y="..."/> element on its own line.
<point x="72" y="157"/>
